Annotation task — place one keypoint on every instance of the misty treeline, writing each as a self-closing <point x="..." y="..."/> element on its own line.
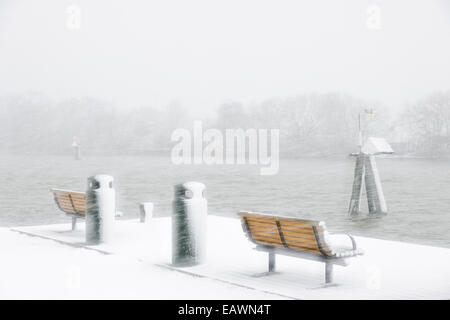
<point x="310" y="125"/>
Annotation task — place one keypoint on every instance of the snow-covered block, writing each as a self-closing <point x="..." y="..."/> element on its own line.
<point x="376" y="146"/>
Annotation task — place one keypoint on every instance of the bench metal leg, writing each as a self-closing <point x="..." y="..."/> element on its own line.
<point x="74" y="223"/>
<point x="328" y="272"/>
<point x="271" y="262"/>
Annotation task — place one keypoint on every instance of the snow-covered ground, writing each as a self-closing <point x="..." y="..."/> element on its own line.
<point x="35" y="268"/>
<point x="137" y="265"/>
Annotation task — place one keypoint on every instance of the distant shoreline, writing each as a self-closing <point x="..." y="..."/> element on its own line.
<point x="166" y="153"/>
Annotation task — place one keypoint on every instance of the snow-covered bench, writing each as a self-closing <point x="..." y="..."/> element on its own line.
<point x="299" y="238"/>
<point x="73" y="203"/>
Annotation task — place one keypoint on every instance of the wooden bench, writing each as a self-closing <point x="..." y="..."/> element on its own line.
<point x="73" y="203"/>
<point x="294" y="237"/>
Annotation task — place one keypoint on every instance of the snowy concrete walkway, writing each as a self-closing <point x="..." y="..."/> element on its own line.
<point x="140" y="263"/>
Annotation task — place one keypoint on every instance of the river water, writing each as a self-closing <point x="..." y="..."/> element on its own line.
<point x="417" y="191"/>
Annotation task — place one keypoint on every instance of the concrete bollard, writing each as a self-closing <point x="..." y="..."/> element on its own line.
<point x="145" y="211"/>
<point x="189" y="224"/>
<point x="100" y="209"/>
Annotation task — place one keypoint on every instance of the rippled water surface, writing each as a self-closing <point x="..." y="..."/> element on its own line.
<point x="417" y="191"/>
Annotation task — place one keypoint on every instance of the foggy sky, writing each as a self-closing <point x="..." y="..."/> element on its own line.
<point x="203" y="53"/>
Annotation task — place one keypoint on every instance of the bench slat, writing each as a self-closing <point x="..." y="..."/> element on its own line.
<point x="271" y="219"/>
<point x="67" y="200"/>
<point x="294" y="241"/>
<point x="262" y="223"/>
<point x="263" y="233"/>
<point x="290" y="227"/>
<point x="69" y="203"/>
<point x="262" y="236"/>
<point x="303" y="234"/>
<point x="299" y="235"/>
<point x="72" y="205"/>
<point x="300" y="227"/>
<point x="76" y="194"/>
<point x="267" y="241"/>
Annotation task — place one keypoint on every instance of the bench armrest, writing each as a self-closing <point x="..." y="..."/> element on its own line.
<point x="353" y="241"/>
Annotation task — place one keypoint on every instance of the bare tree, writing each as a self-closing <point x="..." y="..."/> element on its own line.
<point x="428" y="125"/>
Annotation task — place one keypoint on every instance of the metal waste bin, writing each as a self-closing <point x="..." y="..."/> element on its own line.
<point x="100" y="209"/>
<point x="189" y="224"/>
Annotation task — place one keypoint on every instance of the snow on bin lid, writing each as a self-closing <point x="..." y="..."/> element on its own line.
<point x="376" y="146"/>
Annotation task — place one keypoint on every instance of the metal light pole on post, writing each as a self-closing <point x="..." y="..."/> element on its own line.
<point x="76" y="148"/>
<point x="369" y="112"/>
